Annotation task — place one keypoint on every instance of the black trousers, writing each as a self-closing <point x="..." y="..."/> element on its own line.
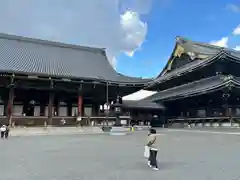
<point x="2" y="134"/>
<point x="153" y="158"/>
<point x="6" y="134"/>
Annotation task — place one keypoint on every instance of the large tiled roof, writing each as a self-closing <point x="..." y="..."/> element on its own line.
<point x="194" y="88"/>
<point x="200" y="49"/>
<point x="46" y="58"/>
<point x="209" y="51"/>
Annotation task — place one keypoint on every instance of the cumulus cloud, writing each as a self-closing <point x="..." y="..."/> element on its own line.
<point x="113" y="24"/>
<point x="233" y="7"/>
<point x="237" y="48"/>
<point x="134" y="32"/>
<point x="139" y="95"/>
<point x="223" y="42"/>
<point x="236" y="31"/>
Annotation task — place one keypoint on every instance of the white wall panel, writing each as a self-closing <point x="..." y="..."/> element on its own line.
<point x="17" y="110"/>
<point x="62" y="111"/>
<point x="37" y="111"/>
<point x="1" y="110"/>
<point x="74" y="111"/>
<point x="88" y="111"/>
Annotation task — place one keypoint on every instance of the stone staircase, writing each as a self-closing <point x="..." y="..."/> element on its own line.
<point x="34" y="131"/>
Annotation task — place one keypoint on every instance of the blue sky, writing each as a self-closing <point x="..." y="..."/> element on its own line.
<point x="204" y="21"/>
<point x="122" y="26"/>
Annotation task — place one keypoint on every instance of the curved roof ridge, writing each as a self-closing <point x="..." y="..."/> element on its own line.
<point x="201" y="43"/>
<point x="193" y="63"/>
<point x="213" y="81"/>
<point x="49" y="42"/>
<point x="198" y="81"/>
<point x="180" y="40"/>
<point x="27" y="55"/>
<point x="122" y="75"/>
<point x="208" y="44"/>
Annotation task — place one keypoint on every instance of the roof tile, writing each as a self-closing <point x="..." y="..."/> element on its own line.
<point x="25" y="55"/>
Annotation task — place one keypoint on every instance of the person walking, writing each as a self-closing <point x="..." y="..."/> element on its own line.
<point x="152" y="160"/>
<point x="7" y="132"/>
<point x="3" y="130"/>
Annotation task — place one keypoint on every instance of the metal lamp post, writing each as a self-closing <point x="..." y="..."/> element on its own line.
<point x="117" y="109"/>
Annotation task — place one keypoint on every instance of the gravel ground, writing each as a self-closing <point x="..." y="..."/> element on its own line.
<point x="183" y="155"/>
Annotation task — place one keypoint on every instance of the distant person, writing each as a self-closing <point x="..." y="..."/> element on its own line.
<point x="152" y="160"/>
<point x="3" y="130"/>
<point x="7" y="132"/>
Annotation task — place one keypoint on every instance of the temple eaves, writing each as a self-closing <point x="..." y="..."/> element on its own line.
<point x="46" y="58"/>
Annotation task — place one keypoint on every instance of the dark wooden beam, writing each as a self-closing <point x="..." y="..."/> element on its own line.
<point x="32" y="76"/>
<point x="50" y="103"/>
<point x="10" y="100"/>
<point x="80" y="100"/>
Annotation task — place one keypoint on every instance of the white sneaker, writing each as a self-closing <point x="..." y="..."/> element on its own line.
<point x="149" y="164"/>
<point x="156" y="169"/>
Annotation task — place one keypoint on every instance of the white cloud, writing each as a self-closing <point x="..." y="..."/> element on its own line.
<point x="134" y="31"/>
<point x="233" y="7"/>
<point x="221" y="43"/>
<point x="236" y="31"/>
<point x="90" y="23"/>
<point x="237" y="48"/>
<point x="139" y="95"/>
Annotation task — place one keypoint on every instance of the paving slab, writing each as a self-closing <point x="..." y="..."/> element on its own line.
<point x="182" y="156"/>
<point x="35" y="131"/>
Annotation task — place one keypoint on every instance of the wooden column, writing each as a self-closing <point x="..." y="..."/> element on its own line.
<point x="9" y="108"/>
<point x="80" y="105"/>
<point x="10" y="105"/>
<point x="50" y="108"/>
<point x="80" y="101"/>
<point x="50" y="104"/>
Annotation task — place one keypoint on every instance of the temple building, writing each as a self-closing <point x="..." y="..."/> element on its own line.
<point x="199" y="85"/>
<point x="43" y="82"/>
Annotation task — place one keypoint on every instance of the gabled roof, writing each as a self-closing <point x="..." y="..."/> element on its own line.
<point x="209" y="52"/>
<point x="196" y="50"/>
<point x="195" y="88"/>
<point x="142" y="104"/>
<point x="53" y="59"/>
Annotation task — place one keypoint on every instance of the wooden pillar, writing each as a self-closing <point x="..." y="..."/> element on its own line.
<point x="80" y="105"/>
<point x="50" y="104"/>
<point x="10" y="105"/>
<point x="9" y="108"/>
<point x="80" y="101"/>
<point x="50" y="108"/>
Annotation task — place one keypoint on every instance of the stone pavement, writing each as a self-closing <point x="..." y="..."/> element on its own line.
<point x="34" y="131"/>
<point x="219" y="130"/>
<point x="183" y="155"/>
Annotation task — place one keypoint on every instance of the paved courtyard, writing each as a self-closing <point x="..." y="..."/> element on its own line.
<point x="183" y="156"/>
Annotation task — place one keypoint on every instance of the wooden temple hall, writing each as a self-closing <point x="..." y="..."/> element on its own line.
<point x="199" y="86"/>
<point x="43" y="82"/>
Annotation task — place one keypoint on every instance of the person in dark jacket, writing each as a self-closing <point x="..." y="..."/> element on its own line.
<point x="7" y="131"/>
<point x="152" y="161"/>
